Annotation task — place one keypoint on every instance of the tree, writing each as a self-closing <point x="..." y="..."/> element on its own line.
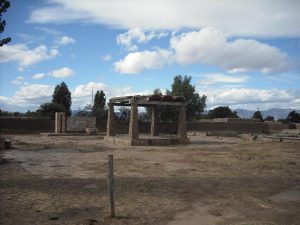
<point x="4" y="5"/>
<point x="293" y="117"/>
<point x="269" y="118"/>
<point x="124" y="113"/>
<point x="195" y="103"/>
<point x="62" y="95"/>
<point x="85" y="112"/>
<point x="99" y="103"/>
<point x="258" y="115"/>
<point x="49" y="109"/>
<point x="222" y="112"/>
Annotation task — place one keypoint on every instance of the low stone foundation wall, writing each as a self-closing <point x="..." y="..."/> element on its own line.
<point x="79" y="124"/>
<point x="144" y="141"/>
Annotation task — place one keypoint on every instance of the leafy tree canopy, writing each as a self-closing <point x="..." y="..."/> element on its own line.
<point x="293" y="117"/>
<point x="269" y="118"/>
<point x="62" y="95"/>
<point x="49" y="109"/>
<point x="258" y="115"/>
<point x="222" y="112"/>
<point x="99" y="102"/>
<point x="195" y="103"/>
<point x="4" y="5"/>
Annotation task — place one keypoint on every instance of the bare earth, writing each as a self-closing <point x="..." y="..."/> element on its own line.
<point x="212" y="181"/>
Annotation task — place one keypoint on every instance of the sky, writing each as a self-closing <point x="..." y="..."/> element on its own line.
<point x="244" y="54"/>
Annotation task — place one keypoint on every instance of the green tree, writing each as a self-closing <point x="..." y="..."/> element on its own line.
<point x="85" y="112"/>
<point x="124" y="113"/>
<point x="258" y="115"/>
<point x="293" y="117"/>
<point x="62" y="95"/>
<point x="4" y="5"/>
<point x="195" y="103"/>
<point x="222" y="112"/>
<point x="49" y="109"/>
<point x="269" y="118"/>
<point x="98" y="108"/>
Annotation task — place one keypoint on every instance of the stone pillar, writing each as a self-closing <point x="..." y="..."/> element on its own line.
<point x="154" y="122"/>
<point x="133" y="123"/>
<point x="110" y="121"/>
<point x="181" y="133"/>
<point x="63" y="122"/>
<point x="60" y="122"/>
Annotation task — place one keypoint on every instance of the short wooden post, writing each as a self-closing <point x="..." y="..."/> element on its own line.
<point x="110" y="183"/>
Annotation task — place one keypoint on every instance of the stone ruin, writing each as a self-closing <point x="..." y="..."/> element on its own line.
<point x="155" y="138"/>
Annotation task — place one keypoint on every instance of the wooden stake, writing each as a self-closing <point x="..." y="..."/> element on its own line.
<point x="110" y="183"/>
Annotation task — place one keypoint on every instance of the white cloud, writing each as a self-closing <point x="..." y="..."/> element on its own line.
<point x="62" y="73"/>
<point x="27" y="97"/>
<point x="19" y="80"/>
<point x="137" y="35"/>
<point x="65" y="40"/>
<point x="106" y="58"/>
<point x="248" y="98"/>
<point x="31" y="96"/>
<point x="211" y="46"/>
<point x="25" y="56"/>
<point x="82" y="94"/>
<point x="221" y="78"/>
<point x="137" y="62"/>
<point x="38" y="76"/>
<point x="250" y="18"/>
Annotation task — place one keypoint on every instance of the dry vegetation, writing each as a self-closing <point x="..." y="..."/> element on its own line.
<point x="62" y="180"/>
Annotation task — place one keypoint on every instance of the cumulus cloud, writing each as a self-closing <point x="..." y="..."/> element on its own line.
<point x="65" y="40"/>
<point x="19" y="80"/>
<point x="81" y="95"/>
<point x="25" y="56"/>
<point x="62" y="73"/>
<point x="137" y="35"/>
<point x="251" y="18"/>
<point x="27" y="97"/>
<point x="137" y="62"/>
<point x="106" y="58"/>
<point x="248" y="98"/>
<point x="213" y="78"/>
<point x="38" y="76"/>
<point x="211" y="46"/>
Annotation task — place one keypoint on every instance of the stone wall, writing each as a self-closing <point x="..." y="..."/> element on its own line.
<point x="26" y="124"/>
<point x="79" y="124"/>
<point x="171" y="127"/>
<point x="242" y="127"/>
<point x="277" y="127"/>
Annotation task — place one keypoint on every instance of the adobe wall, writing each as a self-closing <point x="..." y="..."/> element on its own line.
<point x="277" y="127"/>
<point x="79" y="124"/>
<point x="171" y="127"/>
<point x="26" y="124"/>
<point x="239" y="127"/>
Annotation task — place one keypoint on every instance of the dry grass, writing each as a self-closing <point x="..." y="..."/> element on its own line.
<point x="62" y="180"/>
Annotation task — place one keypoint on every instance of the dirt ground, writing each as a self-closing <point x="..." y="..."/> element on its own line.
<point x="212" y="181"/>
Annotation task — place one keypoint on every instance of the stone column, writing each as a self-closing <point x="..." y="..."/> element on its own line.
<point x="110" y="121"/>
<point x="181" y="133"/>
<point x="60" y="122"/>
<point x="63" y="122"/>
<point x="133" y="123"/>
<point x="154" y="122"/>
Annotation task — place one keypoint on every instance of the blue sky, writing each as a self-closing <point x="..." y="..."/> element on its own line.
<point x="245" y="54"/>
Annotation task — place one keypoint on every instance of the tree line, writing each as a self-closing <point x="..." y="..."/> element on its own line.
<point x="181" y="86"/>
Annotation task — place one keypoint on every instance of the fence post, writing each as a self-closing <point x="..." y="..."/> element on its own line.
<point x="110" y="183"/>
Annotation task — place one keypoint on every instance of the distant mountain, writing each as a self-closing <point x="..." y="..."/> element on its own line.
<point x="276" y="112"/>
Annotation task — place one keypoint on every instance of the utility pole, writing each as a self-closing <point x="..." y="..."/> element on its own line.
<point x="92" y="102"/>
